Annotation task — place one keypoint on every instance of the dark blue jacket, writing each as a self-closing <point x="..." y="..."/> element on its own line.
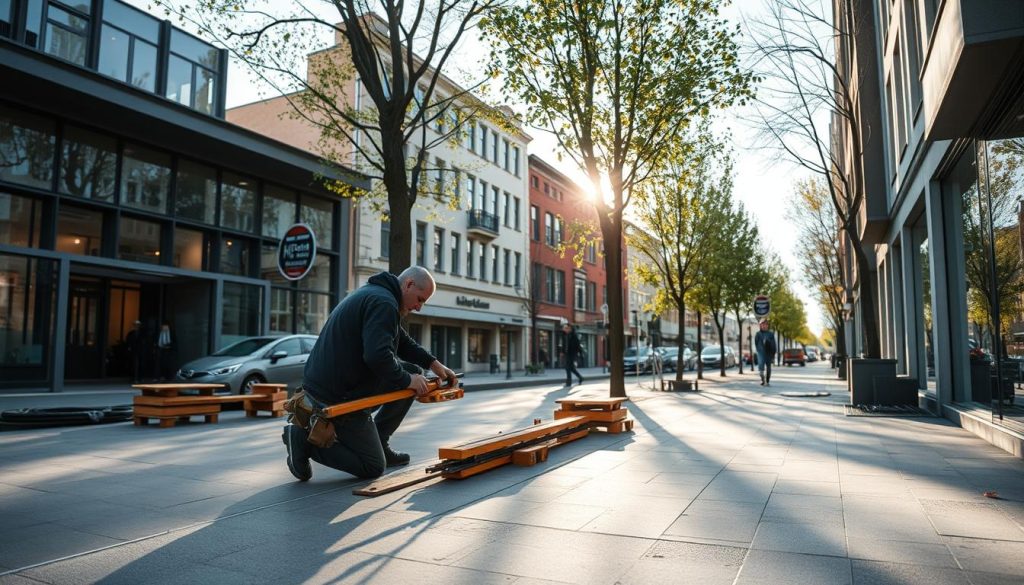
<point x="359" y="347"/>
<point x="764" y="343"/>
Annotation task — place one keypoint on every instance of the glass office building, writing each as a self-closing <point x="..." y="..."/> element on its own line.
<point x="125" y="196"/>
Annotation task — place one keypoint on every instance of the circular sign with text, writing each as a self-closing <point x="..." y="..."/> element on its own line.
<point x="296" y="252"/>
<point x="762" y="306"/>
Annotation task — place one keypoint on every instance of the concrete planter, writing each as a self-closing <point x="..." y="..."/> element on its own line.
<point x="868" y="380"/>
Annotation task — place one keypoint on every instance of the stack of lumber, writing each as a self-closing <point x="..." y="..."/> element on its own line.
<point x="607" y="414"/>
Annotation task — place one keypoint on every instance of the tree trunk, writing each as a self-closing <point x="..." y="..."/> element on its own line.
<point x="612" y="233"/>
<point x="533" y="338"/>
<point x="721" y="342"/>
<point x="681" y="341"/>
<point x="866" y="276"/>
<point x="700" y="346"/>
<point x="739" y="325"/>
<point x="399" y="207"/>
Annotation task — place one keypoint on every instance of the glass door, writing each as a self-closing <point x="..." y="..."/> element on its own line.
<point x="84" y="355"/>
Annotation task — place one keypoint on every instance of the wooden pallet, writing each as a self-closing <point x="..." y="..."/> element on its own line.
<point x="176" y="408"/>
<point x="607" y="414"/>
<point x="582" y="404"/>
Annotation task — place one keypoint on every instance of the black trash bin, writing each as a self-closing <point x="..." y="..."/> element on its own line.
<point x="840" y="365"/>
<point x="495" y="365"/>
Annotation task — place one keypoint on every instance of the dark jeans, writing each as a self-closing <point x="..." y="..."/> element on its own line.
<point x="765" y="361"/>
<point x="570" y="369"/>
<point x="360" y="449"/>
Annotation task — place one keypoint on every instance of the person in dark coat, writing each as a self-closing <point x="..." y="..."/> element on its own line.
<point x="766" y="347"/>
<point x="572" y="353"/>
<point x="136" y="346"/>
<point x="363" y="351"/>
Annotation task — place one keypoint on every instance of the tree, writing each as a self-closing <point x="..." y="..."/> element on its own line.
<point x="398" y="50"/>
<point x="616" y="82"/>
<point x="748" y="275"/>
<point x="678" y="210"/>
<point x="821" y="262"/>
<point x="806" y="91"/>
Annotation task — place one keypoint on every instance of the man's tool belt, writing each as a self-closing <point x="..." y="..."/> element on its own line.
<point x="303" y="413"/>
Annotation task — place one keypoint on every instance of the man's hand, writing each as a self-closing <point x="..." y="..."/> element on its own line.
<point x="419" y="384"/>
<point x="445" y="373"/>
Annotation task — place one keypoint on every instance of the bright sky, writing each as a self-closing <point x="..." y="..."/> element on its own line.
<point x="762" y="184"/>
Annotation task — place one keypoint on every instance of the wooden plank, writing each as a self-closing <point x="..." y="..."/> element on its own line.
<point x="573" y="436"/>
<point x="268" y="388"/>
<point x="532" y="455"/>
<point x="396" y="481"/>
<point x="488" y="444"/>
<point x="437" y="394"/>
<point x="591" y="403"/>
<point x="202" y="399"/>
<point x="175" y="411"/>
<point x="622" y="426"/>
<point x="485" y="466"/>
<point x="595" y="415"/>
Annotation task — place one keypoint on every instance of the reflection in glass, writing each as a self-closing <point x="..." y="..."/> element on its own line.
<point x="79" y="231"/>
<point x="234" y="257"/>
<point x="238" y="203"/>
<point x="26" y="148"/>
<point x="188" y="249"/>
<point x="143" y="65"/>
<point x="243" y="311"/>
<point x="926" y="305"/>
<point x="66" y="35"/>
<point x="6" y="17"/>
<point x="20" y="220"/>
<point x="115" y="46"/>
<point x="318" y="214"/>
<point x="278" y="211"/>
<point x="319" y="276"/>
<point x="281" y="303"/>
<point x="88" y="165"/>
<point x="313" y="311"/>
<point x="145" y="179"/>
<point x="196" y="192"/>
<point x="27" y="309"/>
<point x="206" y="90"/>
<point x="479" y="345"/>
<point x="139" y="241"/>
<point x="179" y="80"/>
<point x="268" y="265"/>
<point x="127" y="18"/>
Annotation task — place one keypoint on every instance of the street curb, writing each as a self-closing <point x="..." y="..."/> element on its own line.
<point x="525" y="382"/>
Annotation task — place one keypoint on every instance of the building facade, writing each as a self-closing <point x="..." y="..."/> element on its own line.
<point x="469" y="228"/>
<point x="562" y="291"/>
<point x="125" y="196"/>
<point x="943" y="81"/>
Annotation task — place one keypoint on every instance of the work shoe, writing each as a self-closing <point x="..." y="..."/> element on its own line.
<point x="393" y="458"/>
<point x="581" y="380"/>
<point x="298" y="452"/>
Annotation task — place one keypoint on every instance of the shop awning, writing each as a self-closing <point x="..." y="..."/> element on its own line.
<point x="470" y="315"/>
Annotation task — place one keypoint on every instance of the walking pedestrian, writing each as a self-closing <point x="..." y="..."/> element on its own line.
<point x="572" y="353"/>
<point x="766" y="346"/>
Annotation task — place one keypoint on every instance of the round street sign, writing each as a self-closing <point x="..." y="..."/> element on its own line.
<point x="762" y="306"/>
<point x="296" y="252"/>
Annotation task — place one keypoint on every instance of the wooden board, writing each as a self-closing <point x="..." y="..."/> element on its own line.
<point x="396" y="481"/>
<point x="591" y="403"/>
<point x="436" y="395"/>
<point x="622" y="426"/>
<point x="267" y="388"/>
<point x="495" y="442"/>
<point x="533" y="455"/>
<point x="223" y="399"/>
<point x="573" y="436"/>
<point x="175" y="411"/>
<point x="595" y="415"/>
<point x="485" y="466"/>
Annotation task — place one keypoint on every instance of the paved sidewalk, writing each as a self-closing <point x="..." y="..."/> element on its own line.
<point x="732" y="485"/>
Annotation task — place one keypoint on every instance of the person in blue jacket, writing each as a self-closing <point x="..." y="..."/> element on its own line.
<point x="362" y="351"/>
<point x="766" y="347"/>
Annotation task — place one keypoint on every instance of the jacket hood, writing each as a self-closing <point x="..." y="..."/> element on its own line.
<point x="388" y="281"/>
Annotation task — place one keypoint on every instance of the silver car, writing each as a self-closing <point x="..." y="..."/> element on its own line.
<point x="254" y="360"/>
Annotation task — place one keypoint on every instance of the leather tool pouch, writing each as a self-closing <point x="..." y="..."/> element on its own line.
<point x="321" y="432"/>
<point x="300" y="409"/>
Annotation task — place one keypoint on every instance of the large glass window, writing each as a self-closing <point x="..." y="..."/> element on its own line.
<point x="421" y="244"/>
<point x="67" y="32"/>
<point x="88" y="164"/>
<point x="278" y="212"/>
<point x="385" y="238"/>
<point x="243" y="311"/>
<point x="238" y="203"/>
<point x="195" y="192"/>
<point x="438" y="249"/>
<point x="139" y="241"/>
<point x="479" y="346"/>
<point x="281" y="303"/>
<point x="319" y="214"/>
<point x="27" y="309"/>
<point x="192" y="72"/>
<point x="145" y="179"/>
<point x="319" y="276"/>
<point x="268" y="264"/>
<point x="313" y="309"/>
<point x="455" y="254"/>
<point x="79" y="231"/>
<point x="188" y="249"/>
<point x="6" y="17"/>
<point x="26" y="148"/>
<point x="234" y="256"/>
<point x="20" y="220"/>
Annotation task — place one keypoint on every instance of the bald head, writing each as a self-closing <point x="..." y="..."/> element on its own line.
<point x="417" y="286"/>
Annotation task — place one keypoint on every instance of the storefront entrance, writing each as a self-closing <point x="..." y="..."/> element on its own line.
<point x="114" y="322"/>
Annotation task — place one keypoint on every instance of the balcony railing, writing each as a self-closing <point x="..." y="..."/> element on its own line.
<point x="483" y="223"/>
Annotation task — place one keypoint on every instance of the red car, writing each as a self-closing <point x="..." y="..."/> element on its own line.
<point x="794" y="355"/>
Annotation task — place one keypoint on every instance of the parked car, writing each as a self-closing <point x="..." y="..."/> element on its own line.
<point x="712" y="357"/>
<point x="794" y="355"/>
<point x="669" y="358"/>
<point x="812" y="356"/>
<point x="253" y="360"/>
<point x="648" y="357"/>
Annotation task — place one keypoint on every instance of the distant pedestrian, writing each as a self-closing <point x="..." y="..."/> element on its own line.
<point x="766" y="346"/>
<point x="166" y="351"/>
<point x="572" y="353"/>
